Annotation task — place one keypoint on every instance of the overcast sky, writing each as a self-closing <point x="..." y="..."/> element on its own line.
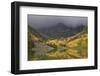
<point x="41" y="21"/>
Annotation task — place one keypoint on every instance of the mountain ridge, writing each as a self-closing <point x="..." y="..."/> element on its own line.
<point x="61" y="30"/>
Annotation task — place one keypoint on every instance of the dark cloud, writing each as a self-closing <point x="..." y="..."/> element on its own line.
<point x="41" y="21"/>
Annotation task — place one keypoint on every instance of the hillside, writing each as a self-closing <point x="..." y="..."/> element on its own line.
<point x="33" y="36"/>
<point x="73" y="47"/>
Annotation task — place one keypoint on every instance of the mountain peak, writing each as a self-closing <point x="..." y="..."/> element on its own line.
<point x="60" y="30"/>
<point x="61" y="24"/>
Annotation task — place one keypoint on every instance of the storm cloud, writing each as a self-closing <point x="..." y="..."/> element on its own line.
<point x="41" y="21"/>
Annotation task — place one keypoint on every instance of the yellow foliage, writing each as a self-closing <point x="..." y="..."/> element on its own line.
<point x="57" y="42"/>
<point x="76" y="48"/>
<point x="73" y="43"/>
<point x="34" y="38"/>
<point x="73" y="53"/>
<point x="67" y="48"/>
<point x="57" y="54"/>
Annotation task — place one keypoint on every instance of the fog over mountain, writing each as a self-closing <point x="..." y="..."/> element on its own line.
<point x="57" y="26"/>
<point x="42" y="21"/>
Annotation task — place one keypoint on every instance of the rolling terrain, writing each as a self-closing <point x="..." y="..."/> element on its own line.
<point x="66" y="43"/>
